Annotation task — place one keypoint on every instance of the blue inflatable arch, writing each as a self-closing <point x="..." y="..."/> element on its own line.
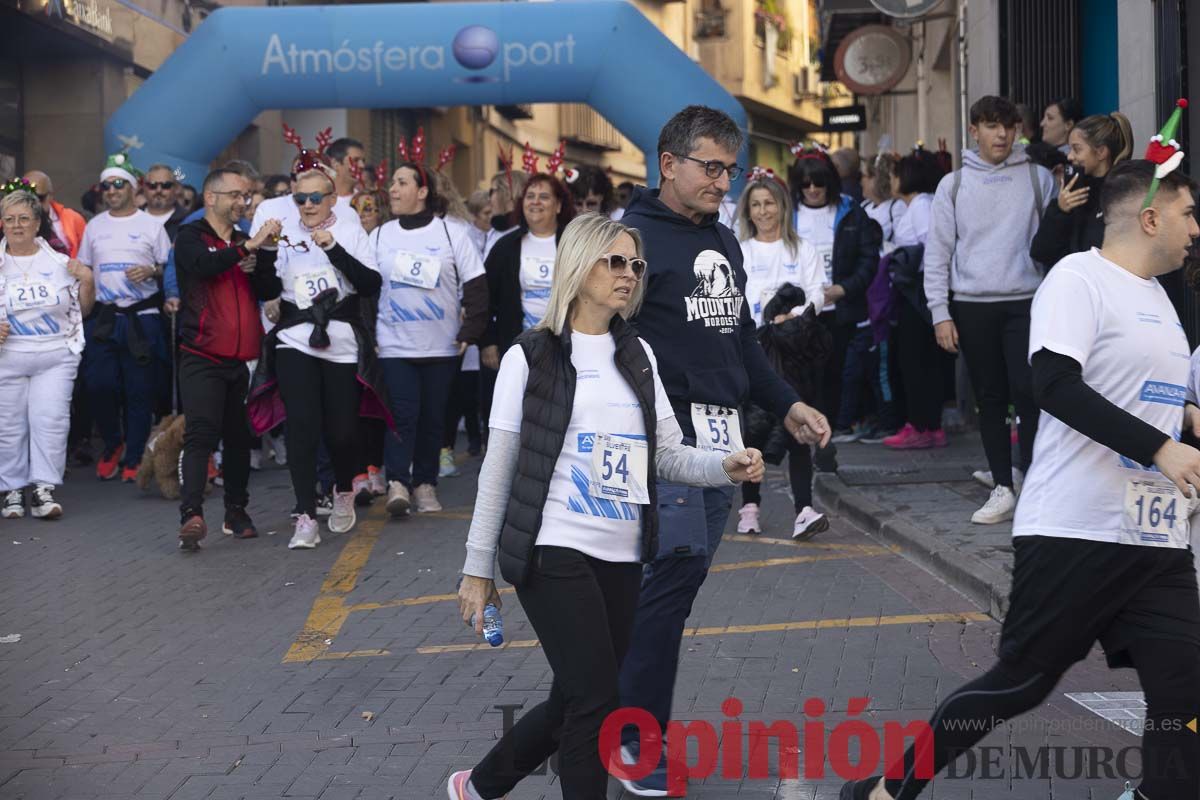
<point x="241" y="61"/>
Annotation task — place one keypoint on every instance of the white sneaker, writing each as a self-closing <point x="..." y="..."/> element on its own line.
<point x="14" y="504"/>
<point x="425" y="498"/>
<point x="998" y="508"/>
<point x="809" y="522"/>
<point x="42" y="503"/>
<point x="343" y="517"/>
<point x="985" y="477"/>
<point x="280" y="449"/>
<point x="446" y="466"/>
<point x="307" y="534"/>
<point x="748" y="519"/>
<point x="256" y="459"/>
<point x="398" y="501"/>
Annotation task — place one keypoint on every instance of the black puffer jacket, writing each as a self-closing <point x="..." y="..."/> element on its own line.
<point x="797" y="349"/>
<point x="1060" y="234"/>
<point x="546" y="414"/>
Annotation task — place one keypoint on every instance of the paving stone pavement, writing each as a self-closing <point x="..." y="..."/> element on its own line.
<point x="247" y="671"/>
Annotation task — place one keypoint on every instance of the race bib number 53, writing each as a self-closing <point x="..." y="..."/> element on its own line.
<point x="718" y="428"/>
<point x="1158" y="513"/>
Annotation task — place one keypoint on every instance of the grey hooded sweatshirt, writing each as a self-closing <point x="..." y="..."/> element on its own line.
<point x="978" y="246"/>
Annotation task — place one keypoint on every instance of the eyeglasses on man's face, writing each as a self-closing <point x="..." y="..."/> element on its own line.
<point x="115" y="183"/>
<point x="714" y="169"/>
<point x="246" y="197"/>
<point x="160" y="185"/>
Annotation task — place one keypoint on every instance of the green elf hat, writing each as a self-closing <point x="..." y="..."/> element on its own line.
<point x="1165" y="151"/>
<point x="119" y="166"/>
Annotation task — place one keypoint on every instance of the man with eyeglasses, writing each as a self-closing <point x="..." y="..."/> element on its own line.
<point x="694" y="316"/>
<point x="126" y="249"/>
<point x="162" y="199"/>
<point x="68" y="224"/>
<point x="220" y="284"/>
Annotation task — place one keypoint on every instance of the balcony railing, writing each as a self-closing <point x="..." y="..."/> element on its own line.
<point x="581" y="125"/>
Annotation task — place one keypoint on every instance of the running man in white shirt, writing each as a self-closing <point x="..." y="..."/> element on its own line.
<point x="1101" y="531"/>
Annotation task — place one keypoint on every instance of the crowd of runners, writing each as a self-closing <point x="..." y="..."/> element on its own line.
<point x="627" y="360"/>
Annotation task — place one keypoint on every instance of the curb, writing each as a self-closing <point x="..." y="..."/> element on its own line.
<point x="976" y="579"/>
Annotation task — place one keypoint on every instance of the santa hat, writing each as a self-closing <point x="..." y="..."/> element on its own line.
<point x="119" y="166"/>
<point x="1164" y="151"/>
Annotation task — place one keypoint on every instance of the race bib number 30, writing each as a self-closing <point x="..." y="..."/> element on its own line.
<point x="26" y="295"/>
<point x="416" y="270"/>
<point x="308" y="285"/>
<point x="718" y="428"/>
<point x="619" y="469"/>
<point x="1158" y="513"/>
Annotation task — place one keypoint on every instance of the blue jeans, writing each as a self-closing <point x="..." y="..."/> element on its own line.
<point x="669" y="587"/>
<point x="859" y="368"/>
<point x="113" y="375"/>
<point x="418" y="392"/>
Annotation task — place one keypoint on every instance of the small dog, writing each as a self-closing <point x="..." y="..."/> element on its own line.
<point x="160" y="464"/>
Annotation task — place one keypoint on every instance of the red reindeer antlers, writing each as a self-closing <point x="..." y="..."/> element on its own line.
<point x="418" y="146"/>
<point x="381" y="174"/>
<point x="529" y="160"/>
<point x="291" y="137"/>
<point x="446" y="156"/>
<point x="556" y="159"/>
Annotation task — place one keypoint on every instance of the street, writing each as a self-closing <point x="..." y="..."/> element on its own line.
<point x="251" y="671"/>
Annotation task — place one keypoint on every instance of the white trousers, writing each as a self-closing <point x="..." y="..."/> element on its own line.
<point x="35" y="416"/>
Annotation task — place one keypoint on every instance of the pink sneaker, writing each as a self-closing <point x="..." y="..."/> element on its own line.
<point x="456" y="787"/>
<point x="748" y="519"/>
<point x="909" y="438"/>
<point x="938" y="437"/>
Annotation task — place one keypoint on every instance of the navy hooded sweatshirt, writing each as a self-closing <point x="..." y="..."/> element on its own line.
<point x="694" y="315"/>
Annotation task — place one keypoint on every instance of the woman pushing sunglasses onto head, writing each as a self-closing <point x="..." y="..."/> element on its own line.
<point x="581" y="430"/>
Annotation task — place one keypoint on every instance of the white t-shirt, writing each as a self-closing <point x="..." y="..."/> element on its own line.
<point x="41" y="301"/>
<point x="1124" y="331"/>
<point x="815" y="226"/>
<point x="284" y="208"/>
<point x="163" y="218"/>
<point x="537" y="271"/>
<point x="887" y="214"/>
<point x="770" y="265"/>
<point x="492" y="237"/>
<point x="913" y="227"/>
<point x="311" y="272"/>
<point x="602" y="528"/>
<point x="418" y="322"/>
<point x="112" y="245"/>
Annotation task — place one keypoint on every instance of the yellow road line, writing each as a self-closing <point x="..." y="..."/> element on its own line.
<point x="329" y="610"/>
<point x="849" y="548"/>
<point x="804" y="625"/>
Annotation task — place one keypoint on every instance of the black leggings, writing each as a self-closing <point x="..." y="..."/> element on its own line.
<point x="464" y="405"/>
<point x="582" y="611"/>
<point x="321" y="398"/>
<point x="922" y="363"/>
<point x="799" y="474"/>
<point x="1169" y="672"/>
<point x="994" y="338"/>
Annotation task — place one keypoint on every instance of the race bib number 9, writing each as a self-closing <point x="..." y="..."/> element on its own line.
<point x="27" y="295"/>
<point x="308" y="285"/>
<point x="1158" y="513"/>
<point x="718" y="429"/>
<point x="619" y="469"/>
<point x="416" y="270"/>
<point x="536" y="273"/>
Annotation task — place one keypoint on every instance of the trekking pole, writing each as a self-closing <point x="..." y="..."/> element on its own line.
<point x="174" y="370"/>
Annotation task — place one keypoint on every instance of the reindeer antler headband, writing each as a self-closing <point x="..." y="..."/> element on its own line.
<point x="307" y="160"/>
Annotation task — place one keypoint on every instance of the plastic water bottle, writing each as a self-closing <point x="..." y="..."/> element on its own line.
<point x="493" y="625"/>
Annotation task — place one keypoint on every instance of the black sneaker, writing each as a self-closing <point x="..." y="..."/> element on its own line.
<point x="238" y="523"/>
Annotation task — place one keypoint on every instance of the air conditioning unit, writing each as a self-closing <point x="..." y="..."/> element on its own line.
<point x="804" y="83"/>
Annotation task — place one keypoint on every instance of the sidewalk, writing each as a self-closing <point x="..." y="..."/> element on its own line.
<point x="922" y="501"/>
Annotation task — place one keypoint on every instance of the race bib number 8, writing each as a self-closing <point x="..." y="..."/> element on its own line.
<point x="26" y="295"/>
<point x="416" y="270"/>
<point x="1158" y="513"/>
<point x="718" y="429"/>
<point x="308" y="285"/>
<point x="619" y="469"/>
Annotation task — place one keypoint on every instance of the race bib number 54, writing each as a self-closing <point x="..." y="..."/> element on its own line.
<point x="619" y="469"/>
<point x="1158" y="513"/>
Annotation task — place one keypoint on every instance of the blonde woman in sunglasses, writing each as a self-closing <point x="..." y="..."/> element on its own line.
<point x="581" y="430"/>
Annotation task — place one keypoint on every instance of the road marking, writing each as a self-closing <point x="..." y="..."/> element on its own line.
<point x="804" y="625"/>
<point x="849" y="548"/>
<point x="329" y="610"/>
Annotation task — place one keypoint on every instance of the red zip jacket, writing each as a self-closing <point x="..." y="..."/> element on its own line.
<point x="218" y="313"/>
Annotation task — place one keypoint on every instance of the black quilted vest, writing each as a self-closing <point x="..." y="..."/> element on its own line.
<point x="546" y="413"/>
